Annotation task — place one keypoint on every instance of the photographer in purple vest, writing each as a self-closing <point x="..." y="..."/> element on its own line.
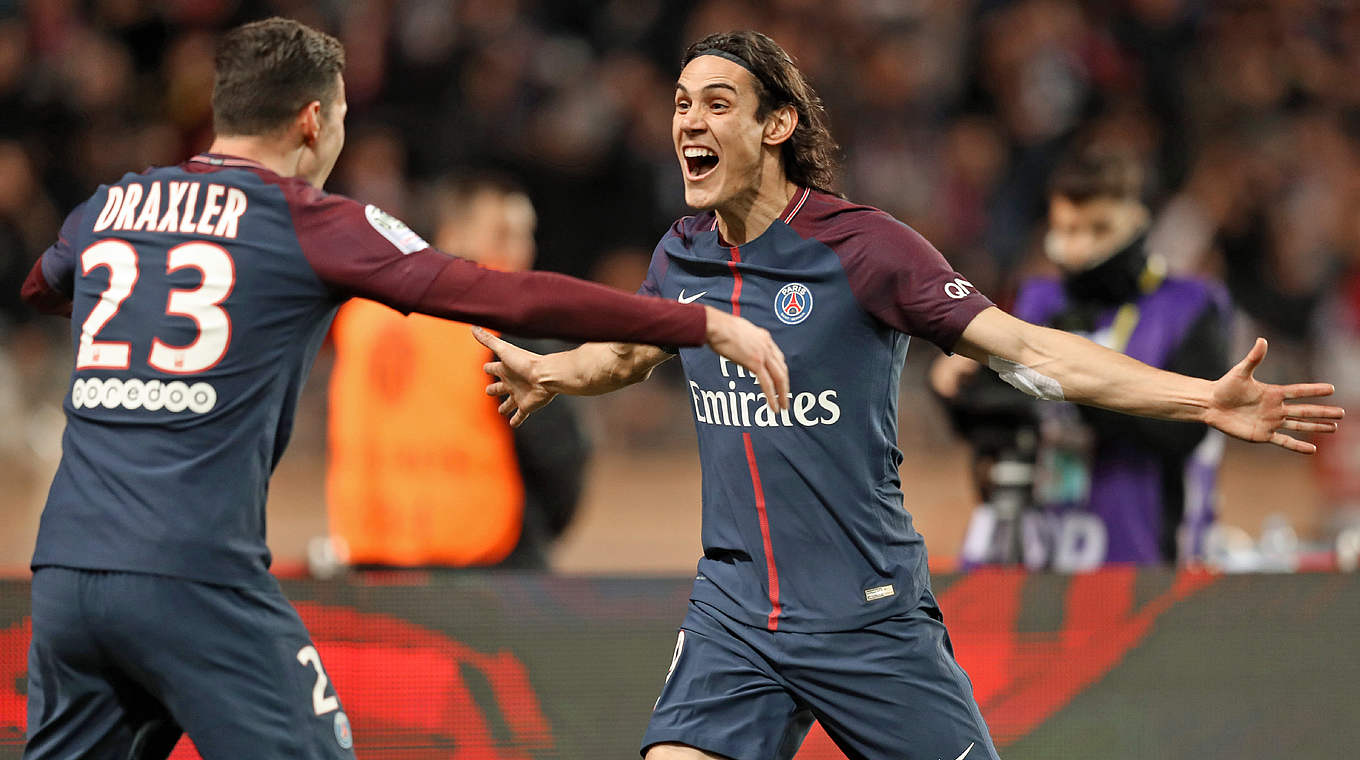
<point x="1101" y="487"/>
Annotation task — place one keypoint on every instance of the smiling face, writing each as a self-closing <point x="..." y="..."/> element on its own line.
<point x="721" y="145"/>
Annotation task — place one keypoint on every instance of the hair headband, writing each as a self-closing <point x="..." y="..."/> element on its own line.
<point x="733" y="57"/>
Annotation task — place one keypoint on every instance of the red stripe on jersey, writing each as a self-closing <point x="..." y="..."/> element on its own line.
<point x="773" y="620"/>
<point x="736" y="286"/>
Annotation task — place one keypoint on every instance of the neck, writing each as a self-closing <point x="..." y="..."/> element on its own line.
<point x="746" y="217"/>
<point x="267" y="151"/>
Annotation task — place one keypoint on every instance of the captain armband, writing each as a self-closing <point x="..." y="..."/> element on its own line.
<point x="1026" y="379"/>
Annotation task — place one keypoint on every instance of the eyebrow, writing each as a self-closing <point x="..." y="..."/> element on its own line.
<point x="714" y="86"/>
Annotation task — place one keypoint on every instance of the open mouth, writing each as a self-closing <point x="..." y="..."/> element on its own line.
<point x="699" y="162"/>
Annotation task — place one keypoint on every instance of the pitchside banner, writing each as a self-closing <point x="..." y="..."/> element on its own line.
<point x="1115" y="664"/>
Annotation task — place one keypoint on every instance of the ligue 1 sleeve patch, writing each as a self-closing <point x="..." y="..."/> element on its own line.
<point x="793" y="303"/>
<point x="343" y="735"/>
<point x="395" y="230"/>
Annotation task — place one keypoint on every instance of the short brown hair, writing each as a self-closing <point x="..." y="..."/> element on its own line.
<point x="810" y="154"/>
<point x="1095" y="173"/>
<point x="269" y="70"/>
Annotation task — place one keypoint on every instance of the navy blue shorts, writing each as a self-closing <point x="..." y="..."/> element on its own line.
<point x="889" y="690"/>
<point x="122" y="663"/>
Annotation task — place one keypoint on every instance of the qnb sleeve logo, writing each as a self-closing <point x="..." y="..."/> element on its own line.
<point x="793" y="303"/>
<point x="958" y="288"/>
<point x="746" y="408"/>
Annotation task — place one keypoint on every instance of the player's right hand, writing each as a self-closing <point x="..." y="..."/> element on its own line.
<point x="752" y="348"/>
<point x="1246" y="408"/>
<point x="514" y="378"/>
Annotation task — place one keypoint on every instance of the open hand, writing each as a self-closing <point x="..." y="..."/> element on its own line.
<point x="1247" y="408"/>
<point x="753" y="348"/>
<point x="513" y="378"/>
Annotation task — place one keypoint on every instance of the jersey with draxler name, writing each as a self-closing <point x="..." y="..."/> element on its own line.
<point x="198" y="297"/>
<point x="804" y="526"/>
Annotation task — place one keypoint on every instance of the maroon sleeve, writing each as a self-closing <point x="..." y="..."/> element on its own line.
<point x="901" y="279"/>
<point x="548" y="305"/>
<point x="38" y="294"/>
<point x="51" y="282"/>
<point x="360" y="251"/>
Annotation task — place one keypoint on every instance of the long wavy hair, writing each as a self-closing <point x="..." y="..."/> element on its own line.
<point x="810" y="155"/>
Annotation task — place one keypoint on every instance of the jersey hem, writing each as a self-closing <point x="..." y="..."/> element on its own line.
<point x="711" y="746"/>
<point x="263" y="579"/>
<point x="715" y="600"/>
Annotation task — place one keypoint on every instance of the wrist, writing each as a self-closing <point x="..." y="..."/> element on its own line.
<point x="712" y="323"/>
<point x="1202" y="403"/>
<point x="566" y="372"/>
<point x="546" y="372"/>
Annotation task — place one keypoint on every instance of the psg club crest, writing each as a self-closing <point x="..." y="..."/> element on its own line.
<point x="793" y="303"/>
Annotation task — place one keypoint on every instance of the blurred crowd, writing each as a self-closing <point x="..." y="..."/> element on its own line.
<point x="951" y="115"/>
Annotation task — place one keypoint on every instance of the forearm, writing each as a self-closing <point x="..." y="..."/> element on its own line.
<point x="1095" y="375"/>
<point x="1086" y="372"/>
<point x="1202" y="352"/>
<point x="543" y="304"/>
<point x="596" y="368"/>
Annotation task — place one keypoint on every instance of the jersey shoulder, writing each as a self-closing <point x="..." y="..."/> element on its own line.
<point x="294" y="190"/>
<point x="860" y="234"/>
<point x="687" y="228"/>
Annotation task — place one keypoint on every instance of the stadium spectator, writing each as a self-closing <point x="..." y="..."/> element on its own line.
<point x="467" y="490"/>
<point x="1149" y="483"/>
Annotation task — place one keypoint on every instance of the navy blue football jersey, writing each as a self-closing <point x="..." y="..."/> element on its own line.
<point x="804" y="526"/>
<point x="198" y="296"/>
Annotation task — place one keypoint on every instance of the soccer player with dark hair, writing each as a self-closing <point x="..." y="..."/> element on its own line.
<point x="1152" y="482"/>
<point x="199" y="294"/>
<point x="812" y="598"/>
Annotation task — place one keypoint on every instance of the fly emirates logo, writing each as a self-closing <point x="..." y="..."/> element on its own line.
<point x="740" y="408"/>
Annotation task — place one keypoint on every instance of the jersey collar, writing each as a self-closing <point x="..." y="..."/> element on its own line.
<point x="786" y="216"/>
<point x="219" y="159"/>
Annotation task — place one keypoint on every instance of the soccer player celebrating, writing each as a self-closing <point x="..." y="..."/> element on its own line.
<point x="198" y="295"/>
<point x="812" y="598"/>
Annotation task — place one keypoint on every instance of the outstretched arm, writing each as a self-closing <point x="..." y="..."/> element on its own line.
<point x="51" y="283"/>
<point x="1056" y="362"/>
<point x="529" y="381"/>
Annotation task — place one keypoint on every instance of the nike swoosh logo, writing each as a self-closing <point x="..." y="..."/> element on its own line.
<point x="692" y="298"/>
<point x="966" y="751"/>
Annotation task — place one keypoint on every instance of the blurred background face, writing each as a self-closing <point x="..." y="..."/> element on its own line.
<point x="1082" y="235"/>
<point x="492" y="228"/>
<point x="717" y="137"/>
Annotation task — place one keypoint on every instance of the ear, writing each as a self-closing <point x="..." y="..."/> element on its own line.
<point x="779" y="125"/>
<point x="309" y="122"/>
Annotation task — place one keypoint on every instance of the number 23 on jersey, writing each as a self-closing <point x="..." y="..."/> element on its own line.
<point x="200" y="304"/>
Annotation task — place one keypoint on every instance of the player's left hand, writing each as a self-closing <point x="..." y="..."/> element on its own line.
<point x="513" y="377"/>
<point x="1247" y="408"/>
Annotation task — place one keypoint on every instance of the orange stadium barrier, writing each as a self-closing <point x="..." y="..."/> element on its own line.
<point x="1114" y="664"/>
